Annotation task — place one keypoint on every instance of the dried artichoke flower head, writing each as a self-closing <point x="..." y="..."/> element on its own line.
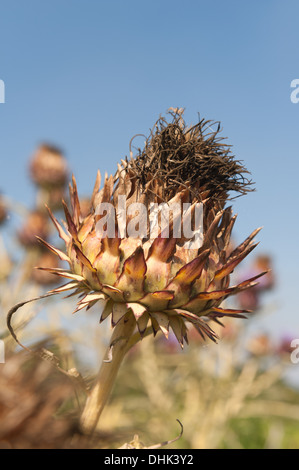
<point x="157" y="280"/>
<point x="156" y="283"/>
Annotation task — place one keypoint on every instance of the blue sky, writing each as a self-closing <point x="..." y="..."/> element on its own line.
<point x="88" y="75"/>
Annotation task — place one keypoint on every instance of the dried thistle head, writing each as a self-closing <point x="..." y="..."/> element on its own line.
<point x="154" y="283"/>
<point x="30" y="394"/>
<point x="48" y="167"/>
<point x="35" y="224"/>
<point x="158" y="281"/>
<point x="193" y="157"/>
<point x="45" y="259"/>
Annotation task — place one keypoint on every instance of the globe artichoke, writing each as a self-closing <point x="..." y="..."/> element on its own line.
<point x="158" y="281"/>
<point x="149" y="284"/>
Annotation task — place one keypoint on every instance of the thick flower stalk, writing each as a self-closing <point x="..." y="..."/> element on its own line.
<point x="149" y="284"/>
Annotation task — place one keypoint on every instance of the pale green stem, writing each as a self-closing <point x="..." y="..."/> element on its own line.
<point x="136" y="338"/>
<point x="100" y="392"/>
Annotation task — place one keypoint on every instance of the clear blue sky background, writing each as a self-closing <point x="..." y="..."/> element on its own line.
<point x="88" y="75"/>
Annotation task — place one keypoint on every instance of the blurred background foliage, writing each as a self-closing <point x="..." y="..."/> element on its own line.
<point x="234" y="394"/>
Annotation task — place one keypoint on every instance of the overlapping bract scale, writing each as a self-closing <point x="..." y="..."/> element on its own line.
<point x="164" y="285"/>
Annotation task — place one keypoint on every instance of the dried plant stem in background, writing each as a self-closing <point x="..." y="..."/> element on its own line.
<point x="107" y="374"/>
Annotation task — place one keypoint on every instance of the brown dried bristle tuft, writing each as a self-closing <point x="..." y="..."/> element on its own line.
<point x="192" y="157"/>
